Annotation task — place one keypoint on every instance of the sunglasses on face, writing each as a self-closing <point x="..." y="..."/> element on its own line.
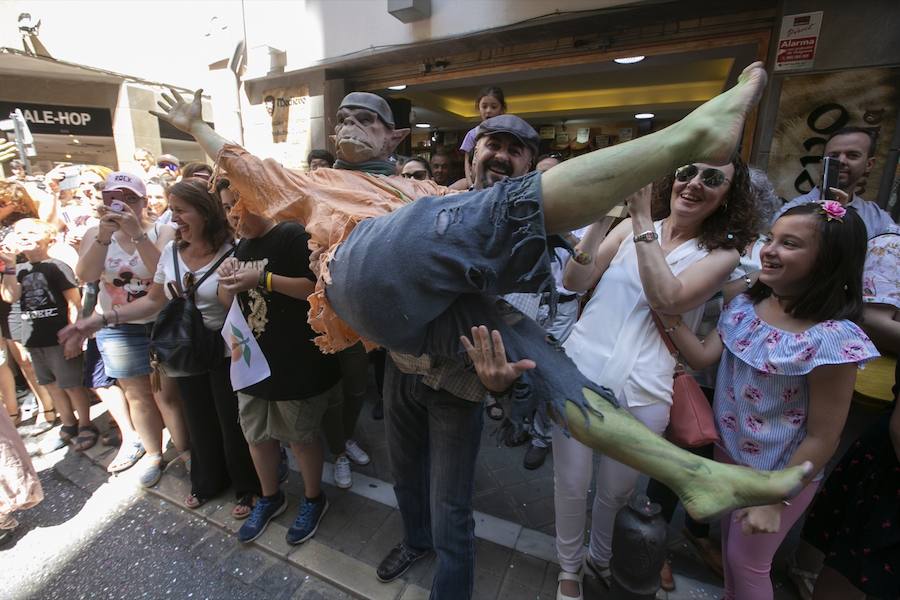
<point x="168" y="166"/>
<point x="711" y="178"/>
<point x="420" y="175"/>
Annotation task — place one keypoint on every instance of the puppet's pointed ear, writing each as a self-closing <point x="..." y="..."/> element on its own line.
<point x="397" y="136"/>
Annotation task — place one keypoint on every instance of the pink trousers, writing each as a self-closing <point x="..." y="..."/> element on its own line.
<point x="747" y="559"/>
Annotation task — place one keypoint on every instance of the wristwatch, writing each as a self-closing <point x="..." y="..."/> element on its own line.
<point x="646" y="236"/>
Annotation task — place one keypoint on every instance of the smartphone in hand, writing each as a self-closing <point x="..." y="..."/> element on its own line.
<point x="118" y="206"/>
<point x="114" y="200"/>
<point x="831" y="168"/>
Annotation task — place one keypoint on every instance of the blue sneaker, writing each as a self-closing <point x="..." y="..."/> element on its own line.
<point x="265" y="510"/>
<point x="283" y="467"/>
<point x="307" y="521"/>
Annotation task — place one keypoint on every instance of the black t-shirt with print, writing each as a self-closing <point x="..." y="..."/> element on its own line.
<point x="44" y="309"/>
<point x="299" y="369"/>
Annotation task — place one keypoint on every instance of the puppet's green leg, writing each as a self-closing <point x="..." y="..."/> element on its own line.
<point x="708" y="489"/>
<point x="583" y="189"/>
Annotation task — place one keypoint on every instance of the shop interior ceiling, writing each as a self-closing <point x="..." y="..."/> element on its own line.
<point x="563" y="71"/>
<point x="669" y="86"/>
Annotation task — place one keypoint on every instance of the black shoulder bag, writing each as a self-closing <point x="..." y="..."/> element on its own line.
<point x="180" y="344"/>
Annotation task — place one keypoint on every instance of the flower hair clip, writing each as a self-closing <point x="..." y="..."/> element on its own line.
<point x="833" y="211"/>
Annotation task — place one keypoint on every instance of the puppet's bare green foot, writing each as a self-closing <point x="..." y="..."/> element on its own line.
<point x="728" y="487"/>
<point x="715" y="127"/>
<point x="708" y="489"/>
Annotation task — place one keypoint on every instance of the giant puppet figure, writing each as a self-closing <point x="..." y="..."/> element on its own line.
<point x="405" y="265"/>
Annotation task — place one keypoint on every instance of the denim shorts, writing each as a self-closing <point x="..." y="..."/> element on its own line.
<point x="418" y="278"/>
<point x="125" y="350"/>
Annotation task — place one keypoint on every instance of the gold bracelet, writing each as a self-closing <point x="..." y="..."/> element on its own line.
<point x="269" y="281"/>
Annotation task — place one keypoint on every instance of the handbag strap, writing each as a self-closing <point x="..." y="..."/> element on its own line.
<point x="200" y="281"/>
<point x="667" y="340"/>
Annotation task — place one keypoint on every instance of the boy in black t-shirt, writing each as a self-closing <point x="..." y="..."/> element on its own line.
<point x="50" y="300"/>
<point x="270" y="275"/>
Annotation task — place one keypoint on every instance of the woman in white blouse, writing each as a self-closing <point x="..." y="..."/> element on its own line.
<point x="671" y="262"/>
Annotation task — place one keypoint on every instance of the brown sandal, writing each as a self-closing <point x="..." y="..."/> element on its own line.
<point x="86" y="438"/>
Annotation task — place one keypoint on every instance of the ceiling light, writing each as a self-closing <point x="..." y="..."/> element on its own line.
<point x="423" y="125"/>
<point x="68" y="156"/>
<point x="75" y="141"/>
<point x="629" y="60"/>
<point x="644" y="116"/>
<point x="397" y="88"/>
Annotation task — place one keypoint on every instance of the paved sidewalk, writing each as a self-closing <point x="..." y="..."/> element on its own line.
<point x="513" y="560"/>
<point x="99" y="538"/>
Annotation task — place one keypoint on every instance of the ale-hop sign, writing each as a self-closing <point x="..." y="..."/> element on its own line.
<point x="62" y="120"/>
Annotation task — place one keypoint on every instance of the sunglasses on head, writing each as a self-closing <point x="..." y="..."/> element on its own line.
<point x="420" y="175"/>
<point x="711" y="177"/>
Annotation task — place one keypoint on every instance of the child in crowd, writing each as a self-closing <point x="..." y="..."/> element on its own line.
<point x="789" y="351"/>
<point x="50" y="300"/>
<point x="490" y="103"/>
<point x="270" y="277"/>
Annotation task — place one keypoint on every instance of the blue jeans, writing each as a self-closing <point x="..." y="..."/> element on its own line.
<point x="416" y="279"/>
<point x="433" y="440"/>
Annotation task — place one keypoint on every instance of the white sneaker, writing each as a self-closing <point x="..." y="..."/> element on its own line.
<point x="356" y="454"/>
<point x="343" y="478"/>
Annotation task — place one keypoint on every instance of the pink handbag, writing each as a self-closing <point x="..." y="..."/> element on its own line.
<point x="691" y="421"/>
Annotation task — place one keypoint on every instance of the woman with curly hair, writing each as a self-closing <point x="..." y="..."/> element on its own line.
<point x="671" y="256"/>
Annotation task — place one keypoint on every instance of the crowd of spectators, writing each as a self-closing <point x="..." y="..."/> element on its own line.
<point x="787" y="300"/>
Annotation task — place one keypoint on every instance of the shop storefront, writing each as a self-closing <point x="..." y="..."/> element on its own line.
<point x="79" y="114"/>
<point x="558" y="72"/>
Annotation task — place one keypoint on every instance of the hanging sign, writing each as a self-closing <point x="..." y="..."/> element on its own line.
<point x="797" y="41"/>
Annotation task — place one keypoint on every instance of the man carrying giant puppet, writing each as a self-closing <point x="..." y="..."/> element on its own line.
<point x="405" y="265"/>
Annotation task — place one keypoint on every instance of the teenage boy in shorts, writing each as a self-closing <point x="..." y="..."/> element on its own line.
<point x="270" y="275"/>
<point x="50" y="300"/>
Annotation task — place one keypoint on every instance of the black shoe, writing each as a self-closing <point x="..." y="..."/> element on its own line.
<point x="397" y="562"/>
<point x="513" y="439"/>
<point x="535" y="457"/>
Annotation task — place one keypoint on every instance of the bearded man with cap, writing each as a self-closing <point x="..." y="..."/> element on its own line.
<point x="414" y="276"/>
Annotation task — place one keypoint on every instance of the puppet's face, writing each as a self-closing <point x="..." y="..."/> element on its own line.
<point x="360" y="136"/>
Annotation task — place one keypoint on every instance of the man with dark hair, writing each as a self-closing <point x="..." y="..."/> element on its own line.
<point x="440" y="168"/>
<point x="854" y="147"/>
<point x="545" y="162"/>
<point x="434" y="416"/>
<point x="319" y="159"/>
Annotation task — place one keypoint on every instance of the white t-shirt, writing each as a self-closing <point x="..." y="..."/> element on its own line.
<point x="205" y="298"/>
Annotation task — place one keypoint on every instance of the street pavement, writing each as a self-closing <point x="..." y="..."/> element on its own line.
<point x="98" y="536"/>
<point x="96" y="539"/>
